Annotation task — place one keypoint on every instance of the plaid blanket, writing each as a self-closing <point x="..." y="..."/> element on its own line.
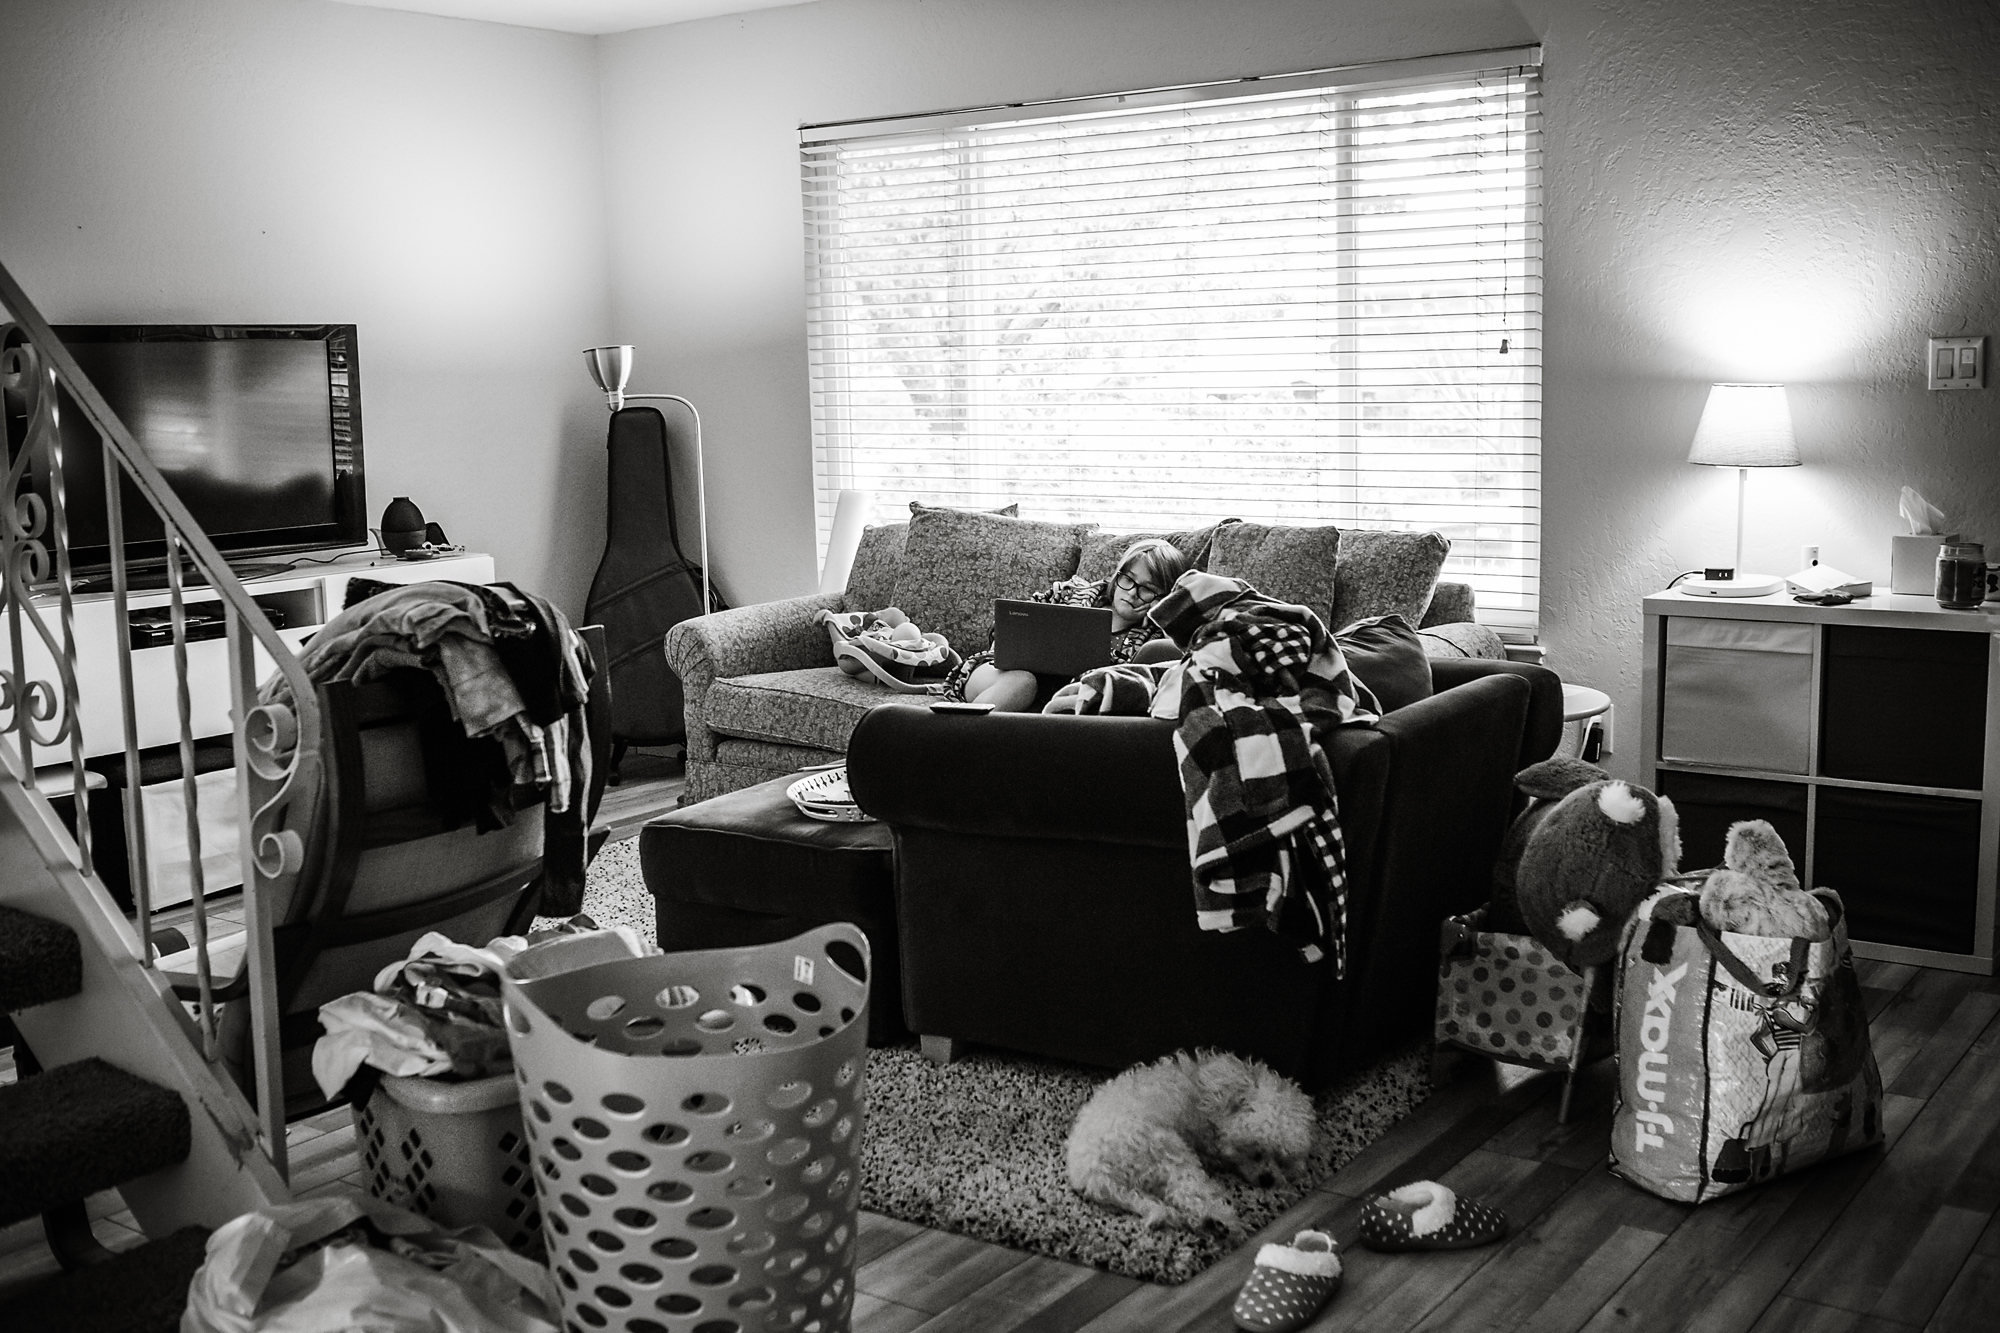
<point x="1263" y="821"/>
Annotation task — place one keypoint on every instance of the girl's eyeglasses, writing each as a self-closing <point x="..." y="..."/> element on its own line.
<point x="1125" y="583"/>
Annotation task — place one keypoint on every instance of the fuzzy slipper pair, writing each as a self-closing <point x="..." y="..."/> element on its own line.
<point x="1290" y="1283"/>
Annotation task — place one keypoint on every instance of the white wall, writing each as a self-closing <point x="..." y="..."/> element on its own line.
<point x="1753" y="189"/>
<point x="437" y="183"/>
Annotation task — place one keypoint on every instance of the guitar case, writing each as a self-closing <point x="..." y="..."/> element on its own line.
<point x="644" y="584"/>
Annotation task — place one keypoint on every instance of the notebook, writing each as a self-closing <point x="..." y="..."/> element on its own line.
<point x="1050" y="640"/>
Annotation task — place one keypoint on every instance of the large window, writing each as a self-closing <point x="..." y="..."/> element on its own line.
<point x="1314" y="299"/>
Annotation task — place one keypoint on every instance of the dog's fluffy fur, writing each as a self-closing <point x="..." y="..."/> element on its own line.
<point x="1756" y="892"/>
<point x="1145" y="1140"/>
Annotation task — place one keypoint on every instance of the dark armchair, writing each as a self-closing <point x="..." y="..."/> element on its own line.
<point x="1044" y="902"/>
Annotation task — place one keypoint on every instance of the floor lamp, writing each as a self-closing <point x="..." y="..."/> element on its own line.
<point x="1743" y="426"/>
<point x="611" y="367"/>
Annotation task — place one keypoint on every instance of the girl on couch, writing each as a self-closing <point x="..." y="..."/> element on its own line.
<point x="1148" y="568"/>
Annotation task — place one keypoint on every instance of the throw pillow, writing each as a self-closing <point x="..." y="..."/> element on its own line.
<point x="1291" y="564"/>
<point x="955" y="562"/>
<point x="1103" y="550"/>
<point x="1389" y="657"/>
<point x="1010" y="510"/>
<point x="1381" y="572"/>
<point x="871" y="582"/>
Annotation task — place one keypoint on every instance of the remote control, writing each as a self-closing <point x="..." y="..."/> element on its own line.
<point x="956" y="706"/>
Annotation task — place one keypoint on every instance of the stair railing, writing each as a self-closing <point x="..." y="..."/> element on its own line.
<point x="277" y="745"/>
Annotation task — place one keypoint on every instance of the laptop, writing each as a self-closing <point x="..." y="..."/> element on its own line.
<point x="1050" y="640"/>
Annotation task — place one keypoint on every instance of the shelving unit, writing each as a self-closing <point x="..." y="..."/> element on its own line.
<point x="1869" y="736"/>
<point x="303" y="598"/>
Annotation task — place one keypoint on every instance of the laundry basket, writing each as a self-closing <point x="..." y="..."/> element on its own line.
<point x="455" y="1152"/>
<point x="695" y="1120"/>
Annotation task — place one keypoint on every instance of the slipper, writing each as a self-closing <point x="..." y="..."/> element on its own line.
<point x="1288" y="1285"/>
<point x="1427" y="1216"/>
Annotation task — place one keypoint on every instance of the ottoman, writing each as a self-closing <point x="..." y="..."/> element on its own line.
<point x="747" y="868"/>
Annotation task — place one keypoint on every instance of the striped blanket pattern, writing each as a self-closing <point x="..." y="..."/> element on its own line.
<point x="1263" y="820"/>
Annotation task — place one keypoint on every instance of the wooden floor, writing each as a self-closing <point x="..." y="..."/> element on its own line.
<point x="1902" y="1238"/>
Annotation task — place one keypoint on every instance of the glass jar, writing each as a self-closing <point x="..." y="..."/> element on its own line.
<point x="1961" y="575"/>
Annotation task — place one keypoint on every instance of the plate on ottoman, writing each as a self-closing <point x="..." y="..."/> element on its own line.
<point x="824" y="795"/>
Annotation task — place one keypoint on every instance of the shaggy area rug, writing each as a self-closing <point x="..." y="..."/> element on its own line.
<point x="977" y="1147"/>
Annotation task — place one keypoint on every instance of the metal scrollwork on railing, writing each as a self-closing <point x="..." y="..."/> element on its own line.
<point x="25" y="518"/>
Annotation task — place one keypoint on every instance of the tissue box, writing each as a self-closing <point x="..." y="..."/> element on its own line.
<point x="1913" y="562"/>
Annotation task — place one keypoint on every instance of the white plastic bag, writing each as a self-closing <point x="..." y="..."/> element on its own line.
<point x="432" y="1281"/>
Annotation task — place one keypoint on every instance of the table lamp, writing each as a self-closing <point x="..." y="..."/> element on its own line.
<point x="611" y="367"/>
<point x="1743" y="426"/>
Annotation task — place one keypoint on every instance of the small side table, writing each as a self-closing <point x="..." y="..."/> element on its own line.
<point x="1582" y="705"/>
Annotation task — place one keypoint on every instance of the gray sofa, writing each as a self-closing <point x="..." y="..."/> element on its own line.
<point x="764" y="698"/>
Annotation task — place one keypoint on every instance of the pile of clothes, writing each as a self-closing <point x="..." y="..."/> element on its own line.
<point x="515" y="675"/>
<point x="435" y="1013"/>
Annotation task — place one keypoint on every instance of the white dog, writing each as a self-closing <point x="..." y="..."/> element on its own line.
<point x="1144" y="1141"/>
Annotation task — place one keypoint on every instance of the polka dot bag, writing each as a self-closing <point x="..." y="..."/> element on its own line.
<point x="1507" y="997"/>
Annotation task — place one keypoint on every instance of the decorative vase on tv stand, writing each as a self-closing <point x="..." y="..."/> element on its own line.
<point x="402" y="525"/>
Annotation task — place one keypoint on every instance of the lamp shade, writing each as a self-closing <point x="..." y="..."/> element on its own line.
<point x="611" y="367"/>
<point x="1745" y="425"/>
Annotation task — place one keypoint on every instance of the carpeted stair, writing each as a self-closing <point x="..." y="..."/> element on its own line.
<point x="69" y="1132"/>
<point x="135" y="1291"/>
<point x="79" y="1128"/>
<point x="40" y="960"/>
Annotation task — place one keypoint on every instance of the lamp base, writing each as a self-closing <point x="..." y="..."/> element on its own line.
<point x="1745" y="585"/>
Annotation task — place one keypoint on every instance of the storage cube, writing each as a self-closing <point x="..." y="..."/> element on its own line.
<point x="1906" y="866"/>
<point x="1904" y="706"/>
<point x="1708" y="803"/>
<point x="1738" y="693"/>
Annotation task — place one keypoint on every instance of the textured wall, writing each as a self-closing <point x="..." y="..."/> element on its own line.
<point x="1755" y="189"/>
<point x="1735" y="194"/>
<point x="435" y="182"/>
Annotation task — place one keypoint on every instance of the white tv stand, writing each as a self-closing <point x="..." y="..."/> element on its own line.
<point x="302" y="599"/>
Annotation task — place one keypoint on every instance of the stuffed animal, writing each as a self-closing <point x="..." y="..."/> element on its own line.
<point x="1543" y="784"/>
<point x="1756" y="891"/>
<point x="1589" y="862"/>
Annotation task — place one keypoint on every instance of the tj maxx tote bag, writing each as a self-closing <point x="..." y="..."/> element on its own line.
<point x="1740" y="1057"/>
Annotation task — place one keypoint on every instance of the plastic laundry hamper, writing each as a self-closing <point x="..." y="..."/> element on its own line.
<point x="452" y="1151"/>
<point x="696" y="1126"/>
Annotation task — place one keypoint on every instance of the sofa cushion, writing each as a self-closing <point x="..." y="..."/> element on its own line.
<point x="871" y="581"/>
<point x="1292" y="564"/>
<point x="1381" y="572"/>
<point x="956" y="562"/>
<point x="814" y="706"/>
<point x="1389" y="658"/>
<point x="1103" y="550"/>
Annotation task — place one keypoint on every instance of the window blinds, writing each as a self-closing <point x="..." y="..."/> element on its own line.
<point x="1307" y="300"/>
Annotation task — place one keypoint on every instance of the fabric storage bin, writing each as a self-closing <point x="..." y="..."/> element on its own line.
<point x="454" y="1152"/>
<point x="1904" y="706"/>
<point x="1738" y="693"/>
<point x="1708" y="803"/>
<point x="696" y="1124"/>
<point x="1906" y="866"/>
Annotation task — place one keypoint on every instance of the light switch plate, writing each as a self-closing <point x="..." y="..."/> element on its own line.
<point x="1957" y="363"/>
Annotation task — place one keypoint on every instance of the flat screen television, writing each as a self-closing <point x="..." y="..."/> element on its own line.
<point x="256" y="427"/>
